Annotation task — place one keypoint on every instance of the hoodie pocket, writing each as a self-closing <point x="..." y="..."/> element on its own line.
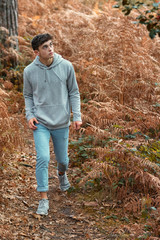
<point x="52" y="116"/>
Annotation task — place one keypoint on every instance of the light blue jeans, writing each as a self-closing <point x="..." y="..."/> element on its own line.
<point x="60" y="142"/>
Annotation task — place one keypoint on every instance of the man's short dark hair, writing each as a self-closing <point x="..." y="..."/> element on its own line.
<point x="40" y="39"/>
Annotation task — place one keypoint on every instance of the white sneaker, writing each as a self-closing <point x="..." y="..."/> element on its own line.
<point x="64" y="183"/>
<point x="43" y="207"/>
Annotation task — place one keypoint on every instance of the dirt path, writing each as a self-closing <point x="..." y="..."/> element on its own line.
<point x="19" y="201"/>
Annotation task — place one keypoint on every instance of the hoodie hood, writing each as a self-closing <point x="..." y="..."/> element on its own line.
<point x="57" y="59"/>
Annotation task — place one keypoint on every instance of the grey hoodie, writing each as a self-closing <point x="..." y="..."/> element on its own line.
<point x="51" y="92"/>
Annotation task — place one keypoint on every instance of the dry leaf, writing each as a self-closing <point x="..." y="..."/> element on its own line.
<point x="90" y="204"/>
<point x="36" y="216"/>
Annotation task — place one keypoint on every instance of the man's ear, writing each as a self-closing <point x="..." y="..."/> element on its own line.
<point x="36" y="52"/>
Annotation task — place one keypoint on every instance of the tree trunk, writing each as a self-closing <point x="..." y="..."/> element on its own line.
<point x="9" y="16"/>
<point x="8" y="28"/>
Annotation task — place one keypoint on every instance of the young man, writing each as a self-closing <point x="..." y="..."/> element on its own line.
<point x="50" y="92"/>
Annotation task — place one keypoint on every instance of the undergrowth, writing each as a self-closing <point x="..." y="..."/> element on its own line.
<point x="111" y="172"/>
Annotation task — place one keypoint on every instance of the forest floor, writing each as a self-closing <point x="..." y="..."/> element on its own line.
<point x="72" y="215"/>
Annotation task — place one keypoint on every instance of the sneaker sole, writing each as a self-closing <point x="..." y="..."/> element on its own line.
<point x="65" y="189"/>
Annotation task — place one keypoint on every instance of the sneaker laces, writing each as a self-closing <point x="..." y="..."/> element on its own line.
<point x="42" y="203"/>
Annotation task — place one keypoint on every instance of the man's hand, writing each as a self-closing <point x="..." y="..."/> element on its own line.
<point x="77" y="125"/>
<point x="31" y="123"/>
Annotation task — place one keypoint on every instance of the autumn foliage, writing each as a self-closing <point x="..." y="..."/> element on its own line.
<point x="117" y="68"/>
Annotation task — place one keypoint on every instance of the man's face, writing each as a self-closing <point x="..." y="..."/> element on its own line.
<point x="46" y="50"/>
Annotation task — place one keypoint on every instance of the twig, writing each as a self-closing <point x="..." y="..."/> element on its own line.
<point x="25" y="165"/>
